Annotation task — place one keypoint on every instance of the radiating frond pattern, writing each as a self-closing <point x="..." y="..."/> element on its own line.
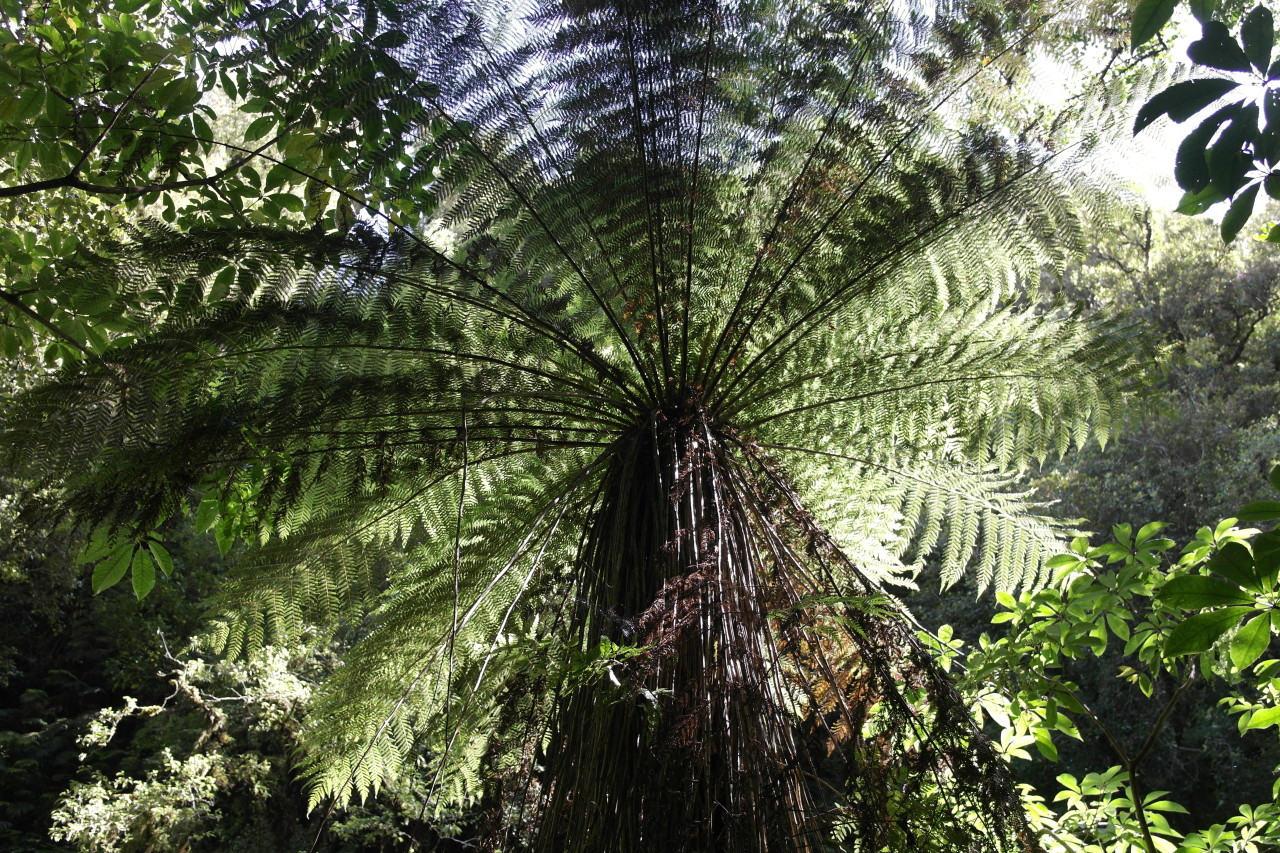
<point x="718" y="313"/>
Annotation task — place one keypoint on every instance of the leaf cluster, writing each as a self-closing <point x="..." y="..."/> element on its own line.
<point x="1234" y="153"/>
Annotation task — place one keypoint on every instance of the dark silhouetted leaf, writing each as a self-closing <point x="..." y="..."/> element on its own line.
<point x="1237" y="215"/>
<point x="1257" y="32"/>
<point x="1267" y="146"/>
<point x="1191" y="168"/>
<point x="258" y="128"/>
<point x="1217" y="49"/>
<point x="391" y="39"/>
<point x="1228" y="164"/>
<point x="1182" y="100"/>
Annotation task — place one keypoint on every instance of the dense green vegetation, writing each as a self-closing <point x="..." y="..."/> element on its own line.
<point x="565" y="393"/>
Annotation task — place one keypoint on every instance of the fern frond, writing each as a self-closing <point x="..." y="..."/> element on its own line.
<point x="714" y="315"/>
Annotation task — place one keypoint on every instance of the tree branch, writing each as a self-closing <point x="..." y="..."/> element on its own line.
<point x="73" y="180"/>
<point x="30" y="312"/>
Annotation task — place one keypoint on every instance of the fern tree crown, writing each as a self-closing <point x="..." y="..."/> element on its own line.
<point x="713" y="316"/>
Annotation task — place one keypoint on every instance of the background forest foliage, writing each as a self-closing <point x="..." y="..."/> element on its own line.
<point x="127" y="732"/>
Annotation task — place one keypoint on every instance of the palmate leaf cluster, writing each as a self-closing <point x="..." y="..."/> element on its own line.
<point x="692" y="284"/>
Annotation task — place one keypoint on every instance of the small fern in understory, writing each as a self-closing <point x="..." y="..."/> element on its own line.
<point x="716" y="317"/>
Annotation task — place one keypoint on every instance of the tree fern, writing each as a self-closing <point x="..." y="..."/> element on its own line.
<point x="715" y="316"/>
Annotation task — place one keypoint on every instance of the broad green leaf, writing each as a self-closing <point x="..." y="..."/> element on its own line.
<point x="1266" y="559"/>
<point x="1199" y="632"/>
<point x="218" y="290"/>
<point x="1257" y="33"/>
<point x="1272" y="185"/>
<point x="391" y="39"/>
<point x="1235" y="563"/>
<point x="1044" y="743"/>
<point x="207" y="514"/>
<point x="1274" y="478"/>
<point x="100" y="544"/>
<point x="1235" y="218"/>
<point x="258" y="128"/>
<point x="288" y="201"/>
<point x="142" y="573"/>
<point x="1259" y="511"/>
<point x="1118" y="626"/>
<point x="1182" y="100"/>
<point x="1148" y="17"/>
<point x="1264" y="719"/>
<point x="1068" y="700"/>
<point x="1193" y="592"/>
<point x="278" y="176"/>
<point x="163" y="561"/>
<point x="1203" y="10"/>
<point x="1195" y="203"/>
<point x="109" y="572"/>
<point x="1251" y="640"/>
<point x="1062" y="561"/>
<point x="225" y="535"/>
<point x="1148" y="530"/>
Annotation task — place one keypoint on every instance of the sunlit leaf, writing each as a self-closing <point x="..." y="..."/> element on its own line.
<point x="1199" y="632"/>
<point x="1259" y="511"/>
<point x="1264" y="719"/>
<point x="1251" y="640"/>
<point x="163" y="560"/>
<point x="1192" y="592"/>
<point x="142" y="573"/>
<point x="109" y="572"/>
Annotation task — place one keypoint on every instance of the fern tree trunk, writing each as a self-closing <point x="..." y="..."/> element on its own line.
<point x="670" y="759"/>
<point x="717" y="736"/>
